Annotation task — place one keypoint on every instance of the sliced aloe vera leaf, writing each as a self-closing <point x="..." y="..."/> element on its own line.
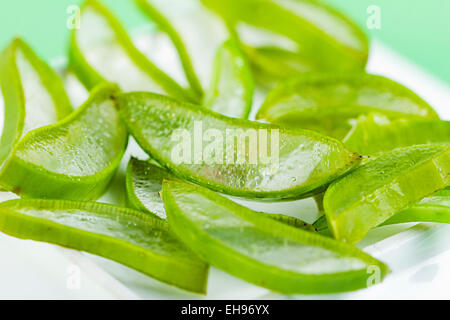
<point x="435" y="208"/>
<point x="101" y="51"/>
<point x="144" y="185"/>
<point x="161" y="12"/>
<point x="376" y="191"/>
<point x="232" y="85"/>
<point x="431" y="209"/>
<point x="196" y="33"/>
<point x="231" y="88"/>
<point x="277" y="164"/>
<point x="71" y="159"/>
<point x="323" y="36"/>
<point x="33" y="95"/>
<point x="260" y="250"/>
<point x="327" y="102"/>
<point x="376" y="133"/>
<point x="129" y="237"/>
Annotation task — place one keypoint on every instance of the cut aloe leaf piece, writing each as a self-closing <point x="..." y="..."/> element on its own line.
<point x="144" y="185"/>
<point x="325" y="38"/>
<point x="373" y="193"/>
<point x="260" y="250"/>
<point x="195" y="32"/>
<point x="376" y="133"/>
<point x="33" y="95"/>
<point x="231" y="88"/>
<point x="431" y="209"/>
<point x="102" y="51"/>
<point x="129" y="237"/>
<point x="71" y="159"/>
<point x="328" y="102"/>
<point x="162" y="13"/>
<point x="232" y="85"/>
<point x="233" y="156"/>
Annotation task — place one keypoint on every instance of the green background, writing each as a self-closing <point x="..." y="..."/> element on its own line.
<point x="419" y="29"/>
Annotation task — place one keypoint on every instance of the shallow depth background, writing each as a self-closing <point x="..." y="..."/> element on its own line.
<point x="418" y="29"/>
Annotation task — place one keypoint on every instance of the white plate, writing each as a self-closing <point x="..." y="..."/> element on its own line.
<point x="419" y="255"/>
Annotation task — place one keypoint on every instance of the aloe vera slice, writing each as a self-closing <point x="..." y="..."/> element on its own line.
<point x="160" y="12"/>
<point x="278" y="163"/>
<point x="72" y="159"/>
<point x="126" y="236"/>
<point x="375" y="133"/>
<point x="325" y="38"/>
<point x="144" y="182"/>
<point x="431" y="209"/>
<point x="144" y="185"/>
<point x="33" y="95"/>
<point x="195" y="32"/>
<point x="101" y="50"/>
<point x="232" y="86"/>
<point x="435" y="208"/>
<point x="327" y="102"/>
<point x="260" y="250"/>
<point x="373" y="193"/>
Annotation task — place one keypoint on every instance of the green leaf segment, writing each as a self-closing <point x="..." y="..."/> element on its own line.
<point x="260" y="250"/>
<point x="71" y="159"/>
<point x="33" y="95"/>
<point x="329" y="102"/>
<point x="102" y="51"/>
<point x="378" y="190"/>
<point x="281" y="163"/>
<point x="129" y="237"/>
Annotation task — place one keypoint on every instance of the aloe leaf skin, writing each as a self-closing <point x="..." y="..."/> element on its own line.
<point x="378" y="190"/>
<point x="100" y="42"/>
<point x="325" y="38"/>
<point x="327" y="103"/>
<point x="126" y="236"/>
<point x="290" y="221"/>
<point x="232" y="86"/>
<point x="305" y="164"/>
<point x="71" y="159"/>
<point x="375" y="133"/>
<point x="33" y="95"/>
<point x="259" y="250"/>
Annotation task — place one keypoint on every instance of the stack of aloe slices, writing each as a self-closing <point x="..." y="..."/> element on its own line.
<point x="368" y="149"/>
